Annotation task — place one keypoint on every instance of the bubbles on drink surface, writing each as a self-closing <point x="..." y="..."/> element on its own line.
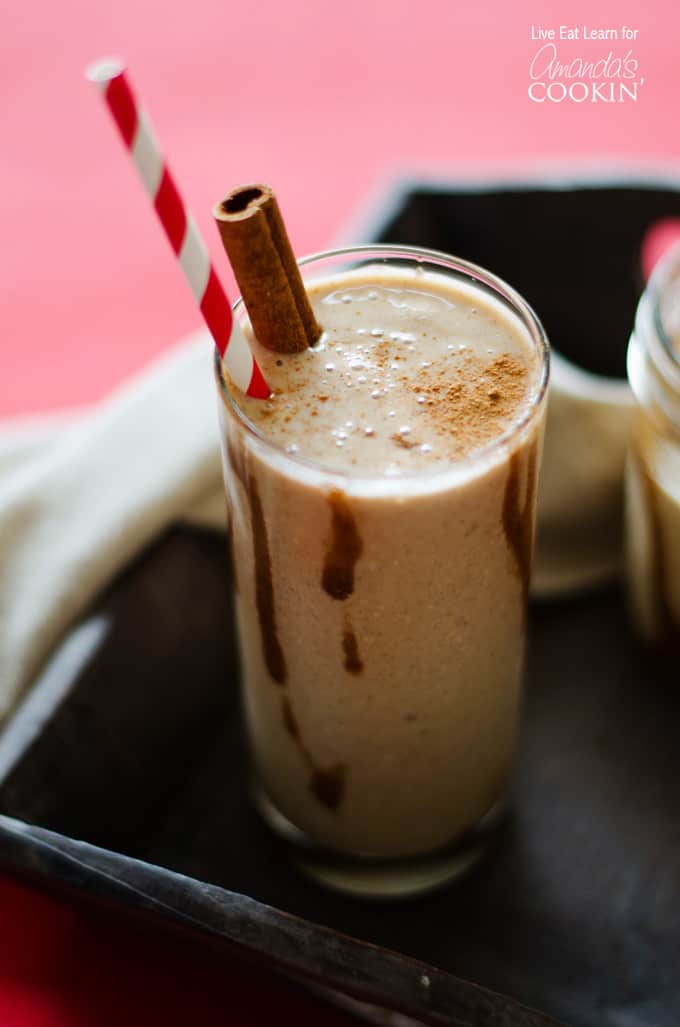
<point x="454" y="376"/>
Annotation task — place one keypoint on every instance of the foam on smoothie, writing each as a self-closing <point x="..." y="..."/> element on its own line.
<point x="413" y="371"/>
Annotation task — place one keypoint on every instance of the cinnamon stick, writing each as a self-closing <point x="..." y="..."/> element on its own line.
<point x="257" y="244"/>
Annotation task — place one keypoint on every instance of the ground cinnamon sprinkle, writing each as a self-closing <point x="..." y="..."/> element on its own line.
<point x="392" y="397"/>
<point x="469" y="409"/>
<point x="403" y="441"/>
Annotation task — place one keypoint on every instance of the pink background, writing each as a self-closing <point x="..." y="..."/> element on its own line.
<point x="320" y="100"/>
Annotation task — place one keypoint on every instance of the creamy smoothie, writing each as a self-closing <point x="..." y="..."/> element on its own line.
<point x="653" y="469"/>
<point x="653" y="533"/>
<point x="382" y="539"/>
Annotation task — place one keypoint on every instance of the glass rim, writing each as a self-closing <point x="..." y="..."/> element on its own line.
<point x="667" y="270"/>
<point x="438" y="259"/>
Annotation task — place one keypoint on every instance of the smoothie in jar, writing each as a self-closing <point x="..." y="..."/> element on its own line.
<point x="653" y="467"/>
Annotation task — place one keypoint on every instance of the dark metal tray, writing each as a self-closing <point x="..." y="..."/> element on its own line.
<point x="130" y="741"/>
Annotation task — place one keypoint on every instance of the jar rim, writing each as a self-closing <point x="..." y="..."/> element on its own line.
<point x="666" y="272"/>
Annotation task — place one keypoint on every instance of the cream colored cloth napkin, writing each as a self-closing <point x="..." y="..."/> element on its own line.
<point x="81" y="494"/>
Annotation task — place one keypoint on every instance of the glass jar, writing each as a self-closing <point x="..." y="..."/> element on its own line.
<point x="653" y="467"/>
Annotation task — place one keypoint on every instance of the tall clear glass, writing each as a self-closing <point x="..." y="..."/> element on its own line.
<point x="381" y="718"/>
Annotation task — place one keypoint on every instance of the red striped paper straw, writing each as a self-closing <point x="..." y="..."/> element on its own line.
<point x="111" y="79"/>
